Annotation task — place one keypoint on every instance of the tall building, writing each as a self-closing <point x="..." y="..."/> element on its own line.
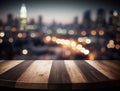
<point x="1" y="22"/>
<point x="16" y="23"/>
<point x="75" y="23"/>
<point x="111" y="17"/>
<point x="40" y="24"/>
<point x="87" y="19"/>
<point x="101" y="21"/>
<point x="76" y="20"/>
<point x="32" y="21"/>
<point x="23" y="17"/>
<point x="9" y="19"/>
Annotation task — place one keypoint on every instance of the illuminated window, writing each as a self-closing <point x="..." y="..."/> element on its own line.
<point x="24" y="21"/>
<point x="115" y="13"/>
<point x="23" y="12"/>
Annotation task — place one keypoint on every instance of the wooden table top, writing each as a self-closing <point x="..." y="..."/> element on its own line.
<point x="59" y="74"/>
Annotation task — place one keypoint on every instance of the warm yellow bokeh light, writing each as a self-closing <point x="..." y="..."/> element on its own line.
<point x="1" y="41"/>
<point x="101" y="32"/>
<point x="91" y="56"/>
<point x="83" y="33"/>
<point x="13" y="29"/>
<point x="80" y="39"/>
<point x="11" y="40"/>
<point x="117" y="46"/>
<point x="33" y="35"/>
<point x="103" y="49"/>
<point x="79" y="46"/>
<point x="2" y="34"/>
<point x="111" y="42"/>
<point x="19" y="35"/>
<point x="48" y="38"/>
<point x="54" y="39"/>
<point x="73" y="43"/>
<point x="93" y="32"/>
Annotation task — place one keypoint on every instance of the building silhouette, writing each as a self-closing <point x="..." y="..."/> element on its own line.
<point x="87" y="19"/>
<point x="32" y="21"/>
<point x="76" y="20"/>
<point x="40" y="23"/>
<point x="75" y="23"/>
<point x="16" y="23"/>
<point x="101" y="21"/>
<point x="9" y="19"/>
<point x="1" y="22"/>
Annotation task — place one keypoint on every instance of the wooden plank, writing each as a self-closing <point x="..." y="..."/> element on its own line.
<point x="7" y="65"/>
<point x="91" y="74"/>
<point x="59" y="77"/>
<point x="42" y="74"/>
<point x="1" y="60"/>
<point x="36" y="76"/>
<point x="9" y="78"/>
<point x="111" y="65"/>
<point x="107" y="71"/>
<point x="76" y="75"/>
<point x="115" y="62"/>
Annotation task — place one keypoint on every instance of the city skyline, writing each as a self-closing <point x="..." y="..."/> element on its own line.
<point x="59" y="11"/>
<point x="21" y="39"/>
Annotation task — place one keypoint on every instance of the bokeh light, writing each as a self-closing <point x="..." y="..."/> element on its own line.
<point x="24" y="51"/>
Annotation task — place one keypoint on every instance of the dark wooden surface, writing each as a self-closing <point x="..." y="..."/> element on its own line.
<point x="60" y="74"/>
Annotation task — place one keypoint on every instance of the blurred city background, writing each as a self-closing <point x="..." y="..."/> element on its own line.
<point x="59" y="30"/>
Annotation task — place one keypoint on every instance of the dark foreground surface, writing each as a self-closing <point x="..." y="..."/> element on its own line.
<point x="60" y="75"/>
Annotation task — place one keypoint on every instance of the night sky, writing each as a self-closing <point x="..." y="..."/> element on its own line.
<point x="62" y="11"/>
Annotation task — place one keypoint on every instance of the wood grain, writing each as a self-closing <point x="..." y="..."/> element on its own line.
<point x="36" y="74"/>
<point x="7" y="65"/>
<point x="76" y="75"/>
<point x="107" y="71"/>
<point x="112" y="65"/>
<point x="91" y="74"/>
<point x="9" y="78"/>
<point x="60" y="74"/>
<point x="59" y="77"/>
<point x="1" y="60"/>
